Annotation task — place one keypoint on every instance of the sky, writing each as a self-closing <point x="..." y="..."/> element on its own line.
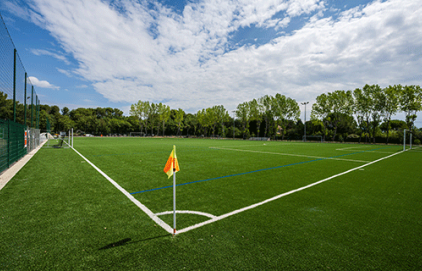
<point x="197" y="54"/>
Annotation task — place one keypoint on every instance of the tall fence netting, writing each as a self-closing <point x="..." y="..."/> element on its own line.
<point x="19" y="105"/>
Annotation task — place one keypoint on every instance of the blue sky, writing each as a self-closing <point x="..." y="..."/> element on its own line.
<point x="197" y="54"/>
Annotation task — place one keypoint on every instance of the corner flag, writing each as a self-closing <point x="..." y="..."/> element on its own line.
<point x="172" y="163"/>
<point x="171" y="167"/>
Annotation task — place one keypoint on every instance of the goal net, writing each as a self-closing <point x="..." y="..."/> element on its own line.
<point x="63" y="140"/>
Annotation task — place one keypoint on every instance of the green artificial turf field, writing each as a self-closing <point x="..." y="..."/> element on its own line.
<point x="60" y="213"/>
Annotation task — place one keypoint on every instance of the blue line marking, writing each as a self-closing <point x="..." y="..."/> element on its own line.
<point x="254" y="171"/>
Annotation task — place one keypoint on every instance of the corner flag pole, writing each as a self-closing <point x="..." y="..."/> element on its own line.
<point x="174" y="201"/>
<point x="171" y="167"/>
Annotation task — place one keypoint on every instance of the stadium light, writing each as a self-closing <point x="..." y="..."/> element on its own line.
<point x="305" y="103"/>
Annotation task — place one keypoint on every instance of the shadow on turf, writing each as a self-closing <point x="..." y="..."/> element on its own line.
<point x="127" y="241"/>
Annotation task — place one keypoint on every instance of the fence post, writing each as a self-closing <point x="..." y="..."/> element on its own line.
<point x="24" y="103"/>
<point x="14" y="85"/>
<point x="38" y="113"/>
<point x="8" y="143"/>
<point x="32" y="106"/>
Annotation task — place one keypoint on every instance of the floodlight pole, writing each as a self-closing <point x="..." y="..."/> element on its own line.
<point x="305" y="103"/>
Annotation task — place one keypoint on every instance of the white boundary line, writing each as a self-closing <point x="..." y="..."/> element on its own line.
<point x="288" y="154"/>
<point x="153" y="216"/>
<point x="167" y="228"/>
<point x="366" y="151"/>
<point x="277" y="197"/>
<point x="354" y="147"/>
<point x="187" y="212"/>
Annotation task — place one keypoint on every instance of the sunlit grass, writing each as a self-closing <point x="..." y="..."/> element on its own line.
<point x="59" y="213"/>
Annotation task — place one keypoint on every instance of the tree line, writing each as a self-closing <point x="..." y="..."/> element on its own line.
<point x="359" y="115"/>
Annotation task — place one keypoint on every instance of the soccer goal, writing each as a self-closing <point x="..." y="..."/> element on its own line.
<point x="137" y="134"/>
<point x="312" y="138"/>
<point x="410" y="139"/>
<point x="63" y="140"/>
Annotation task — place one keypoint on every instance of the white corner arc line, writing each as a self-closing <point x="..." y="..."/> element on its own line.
<point x="154" y="217"/>
<point x="289" y="154"/>
<point x="186" y="212"/>
<point x="278" y="196"/>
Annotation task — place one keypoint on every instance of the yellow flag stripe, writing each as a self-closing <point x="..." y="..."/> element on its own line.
<point x="172" y="165"/>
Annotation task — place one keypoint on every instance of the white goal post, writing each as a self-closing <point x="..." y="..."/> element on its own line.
<point x="64" y="140"/>
<point x="404" y="139"/>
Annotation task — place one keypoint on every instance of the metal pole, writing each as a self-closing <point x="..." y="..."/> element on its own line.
<point x="24" y="103"/>
<point x="14" y="85"/>
<point x="32" y="106"/>
<point x="37" y="112"/>
<point x="305" y="122"/>
<point x="305" y="103"/>
<point x="410" y="140"/>
<point x="174" y="201"/>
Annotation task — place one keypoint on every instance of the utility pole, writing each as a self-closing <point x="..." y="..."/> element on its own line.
<point x="305" y="103"/>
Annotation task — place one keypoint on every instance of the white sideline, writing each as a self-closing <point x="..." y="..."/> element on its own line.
<point x="154" y="217"/>
<point x="365" y="151"/>
<point x="289" y="154"/>
<point x="277" y="197"/>
<point x="11" y="172"/>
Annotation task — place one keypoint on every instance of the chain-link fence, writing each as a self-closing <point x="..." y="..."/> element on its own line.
<point x="19" y="105"/>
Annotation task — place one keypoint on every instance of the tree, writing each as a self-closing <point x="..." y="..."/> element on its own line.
<point x="394" y="125"/>
<point x="320" y="110"/>
<point x="142" y="111"/>
<point x="190" y="122"/>
<point x="391" y="106"/>
<point x="256" y="113"/>
<point x="243" y="113"/>
<point x="151" y="116"/>
<point x="200" y="116"/>
<point x="221" y="115"/>
<point x="411" y="103"/>
<point x="361" y="107"/>
<point x="163" y="115"/>
<point x="211" y="118"/>
<point x="285" y="109"/>
<point x="341" y="105"/>
<point x="6" y="107"/>
<point x="265" y="103"/>
<point x="179" y="118"/>
<point x="65" y="111"/>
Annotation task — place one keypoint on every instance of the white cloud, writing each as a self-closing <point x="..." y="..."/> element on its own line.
<point x="65" y="72"/>
<point x="130" y="52"/>
<point x="40" y="52"/>
<point x="41" y="83"/>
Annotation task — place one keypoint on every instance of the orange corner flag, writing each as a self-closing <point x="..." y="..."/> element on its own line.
<point x="172" y="164"/>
